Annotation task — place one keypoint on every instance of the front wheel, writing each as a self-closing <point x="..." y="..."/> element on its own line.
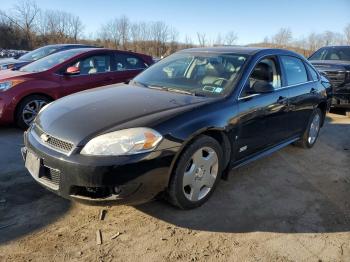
<point x="312" y="131"/>
<point x="29" y="108"/>
<point x="196" y="174"/>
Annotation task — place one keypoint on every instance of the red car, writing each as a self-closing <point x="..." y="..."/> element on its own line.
<point x="25" y="91"/>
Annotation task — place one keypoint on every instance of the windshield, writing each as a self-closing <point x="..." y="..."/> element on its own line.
<point x="39" y="53"/>
<point x="195" y="73"/>
<point x="332" y="53"/>
<point x="50" y="61"/>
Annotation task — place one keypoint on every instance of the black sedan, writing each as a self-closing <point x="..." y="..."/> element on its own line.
<point x="177" y="127"/>
<point x="20" y="61"/>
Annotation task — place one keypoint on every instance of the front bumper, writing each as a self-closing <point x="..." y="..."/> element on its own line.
<point x="131" y="179"/>
<point x="341" y="96"/>
<point x="6" y="110"/>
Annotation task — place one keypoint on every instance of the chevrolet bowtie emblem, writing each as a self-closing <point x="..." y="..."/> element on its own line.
<point x="44" y="137"/>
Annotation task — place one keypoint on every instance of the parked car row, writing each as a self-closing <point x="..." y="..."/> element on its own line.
<point x="19" y="60"/>
<point x="25" y="91"/>
<point x="4" y="53"/>
<point x="174" y="130"/>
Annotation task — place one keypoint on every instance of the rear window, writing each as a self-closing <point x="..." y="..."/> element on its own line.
<point x="129" y="62"/>
<point x="294" y="69"/>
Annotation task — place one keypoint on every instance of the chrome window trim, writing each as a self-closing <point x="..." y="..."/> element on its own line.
<point x="116" y="71"/>
<point x="276" y="89"/>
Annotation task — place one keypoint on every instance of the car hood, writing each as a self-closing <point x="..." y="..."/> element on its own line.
<point x="5" y="61"/>
<point x="83" y="115"/>
<point x="11" y="74"/>
<point x="330" y="64"/>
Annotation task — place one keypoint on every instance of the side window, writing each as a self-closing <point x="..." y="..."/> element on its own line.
<point x="94" y="64"/>
<point x="294" y="69"/>
<point x="265" y="71"/>
<point x="129" y="62"/>
<point x="313" y="73"/>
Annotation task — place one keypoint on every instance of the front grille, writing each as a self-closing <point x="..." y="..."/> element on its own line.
<point x="53" y="142"/>
<point x="51" y="176"/>
<point x="337" y="78"/>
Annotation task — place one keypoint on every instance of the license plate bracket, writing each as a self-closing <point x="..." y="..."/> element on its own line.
<point x="33" y="163"/>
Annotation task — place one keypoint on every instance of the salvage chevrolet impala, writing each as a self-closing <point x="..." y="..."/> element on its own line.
<point x="176" y="128"/>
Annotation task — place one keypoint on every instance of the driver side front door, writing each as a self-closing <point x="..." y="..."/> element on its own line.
<point x="263" y="116"/>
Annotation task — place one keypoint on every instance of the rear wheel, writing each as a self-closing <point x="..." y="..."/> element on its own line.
<point x="29" y="108"/>
<point x="311" y="133"/>
<point x="196" y="174"/>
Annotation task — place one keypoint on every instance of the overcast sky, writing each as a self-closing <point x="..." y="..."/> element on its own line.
<point x="252" y="20"/>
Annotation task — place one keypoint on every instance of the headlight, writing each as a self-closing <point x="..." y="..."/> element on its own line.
<point x="8" y="84"/>
<point x="8" y="66"/>
<point x="124" y="142"/>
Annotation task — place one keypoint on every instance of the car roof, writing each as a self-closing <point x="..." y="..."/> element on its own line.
<point x="336" y="46"/>
<point x="244" y="50"/>
<point x="66" y="45"/>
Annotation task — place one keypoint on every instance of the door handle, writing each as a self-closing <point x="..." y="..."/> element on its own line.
<point x="282" y="100"/>
<point x="313" y="91"/>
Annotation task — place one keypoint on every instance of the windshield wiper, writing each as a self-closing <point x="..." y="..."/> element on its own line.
<point x="148" y="86"/>
<point x="169" y="89"/>
<point x="180" y="91"/>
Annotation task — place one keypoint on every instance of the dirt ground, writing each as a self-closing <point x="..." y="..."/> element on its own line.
<point x="291" y="206"/>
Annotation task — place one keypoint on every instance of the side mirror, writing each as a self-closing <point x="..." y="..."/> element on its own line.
<point x="262" y="87"/>
<point x="72" y="70"/>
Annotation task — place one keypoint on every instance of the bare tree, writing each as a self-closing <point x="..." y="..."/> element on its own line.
<point x="202" y="39"/>
<point x="283" y="37"/>
<point x="173" y="38"/>
<point x="230" y="38"/>
<point x="188" y="42"/>
<point x="123" y="28"/>
<point x="75" y="28"/>
<point x="159" y="35"/>
<point x="218" y="41"/>
<point x="24" y="15"/>
<point x="347" y="34"/>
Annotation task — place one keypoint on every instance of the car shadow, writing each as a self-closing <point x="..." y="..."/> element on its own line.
<point x="25" y="206"/>
<point x="292" y="191"/>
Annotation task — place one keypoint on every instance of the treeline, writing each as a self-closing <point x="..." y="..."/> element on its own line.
<point x="307" y="44"/>
<point x="26" y="26"/>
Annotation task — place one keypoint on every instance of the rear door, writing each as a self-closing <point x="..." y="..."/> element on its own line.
<point x="302" y="90"/>
<point x="127" y="66"/>
<point x="263" y="116"/>
<point x="94" y="71"/>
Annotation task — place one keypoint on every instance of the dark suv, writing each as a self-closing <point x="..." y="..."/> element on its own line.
<point x="334" y="62"/>
<point x="177" y="126"/>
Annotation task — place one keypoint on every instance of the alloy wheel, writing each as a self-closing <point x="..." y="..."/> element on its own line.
<point x="314" y="129"/>
<point x="200" y="174"/>
<point x="31" y="110"/>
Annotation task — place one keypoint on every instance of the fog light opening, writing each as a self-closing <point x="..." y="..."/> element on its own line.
<point x="117" y="190"/>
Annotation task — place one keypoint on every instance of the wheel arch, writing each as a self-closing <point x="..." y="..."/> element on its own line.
<point x="323" y="107"/>
<point x="28" y="95"/>
<point x="218" y="134"/>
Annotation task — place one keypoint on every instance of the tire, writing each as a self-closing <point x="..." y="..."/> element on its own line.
<point x="32" y="105"/>
<point x="310" y="135"/>
<point x="194" y="177"/>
